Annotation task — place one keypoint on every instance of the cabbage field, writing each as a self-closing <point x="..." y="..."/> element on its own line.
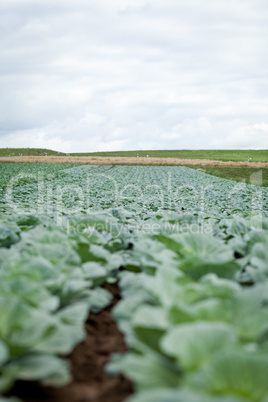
<point x="189" y="252"/>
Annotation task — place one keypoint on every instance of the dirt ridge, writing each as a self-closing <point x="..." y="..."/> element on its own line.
<point x="124" y="160"/>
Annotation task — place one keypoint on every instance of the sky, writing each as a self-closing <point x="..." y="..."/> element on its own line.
<point x="108" y="75"/>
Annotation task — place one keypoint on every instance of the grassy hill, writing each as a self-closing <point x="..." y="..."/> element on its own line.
<point x="222" y="155"/>
<point x="28" y="151"/>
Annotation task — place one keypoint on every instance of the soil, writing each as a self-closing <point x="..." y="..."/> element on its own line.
<point x="90" y="382"/>
<point x="99" y="160"/>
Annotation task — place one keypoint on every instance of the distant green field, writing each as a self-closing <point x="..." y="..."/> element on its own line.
<point x="223" y="155"/>
<point x="28" y="151"/>
<point x="242" y="174"/>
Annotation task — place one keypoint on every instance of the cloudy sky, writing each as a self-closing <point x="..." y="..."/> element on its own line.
<point x="95" y="75"/>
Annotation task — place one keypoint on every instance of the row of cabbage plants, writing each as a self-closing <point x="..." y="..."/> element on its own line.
<point x="196" y="315"/>
<point x="49" y="282"/>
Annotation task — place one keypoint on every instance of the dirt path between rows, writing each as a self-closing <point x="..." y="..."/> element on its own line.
<point x="99" y="160"/>
<point x="88" y="359"/>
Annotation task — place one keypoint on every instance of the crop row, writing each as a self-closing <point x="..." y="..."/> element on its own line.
<point x="195" y="316"/>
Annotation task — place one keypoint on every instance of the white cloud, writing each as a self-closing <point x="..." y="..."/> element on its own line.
<point x="170" y="136"/>
<point x="130" y="74"/>
<point x="261" y="126"/>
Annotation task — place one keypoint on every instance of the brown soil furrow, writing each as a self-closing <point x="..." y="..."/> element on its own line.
<point x="99" y="160"/>
<point x="90" y="382"/>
